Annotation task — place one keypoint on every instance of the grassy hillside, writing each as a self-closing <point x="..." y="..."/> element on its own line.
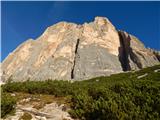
<point x="125" y="96"/>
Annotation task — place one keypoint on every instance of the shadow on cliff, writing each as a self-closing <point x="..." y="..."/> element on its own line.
<point x="126" y="53"/>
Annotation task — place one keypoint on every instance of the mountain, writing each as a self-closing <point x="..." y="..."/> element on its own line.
<point x="68" y="51"/>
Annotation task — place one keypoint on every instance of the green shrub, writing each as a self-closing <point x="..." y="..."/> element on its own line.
<point x="117" y="97"/>
<point x="7" y="104"/>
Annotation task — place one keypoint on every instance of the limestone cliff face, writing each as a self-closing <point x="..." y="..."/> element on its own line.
<point x="133" y="54"/>
<point x="69" y="51"/>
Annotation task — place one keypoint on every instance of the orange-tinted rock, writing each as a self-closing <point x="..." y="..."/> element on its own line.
<point x="69" y="51"/>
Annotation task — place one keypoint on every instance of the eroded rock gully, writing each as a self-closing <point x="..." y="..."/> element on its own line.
<point x="133" y="54"/>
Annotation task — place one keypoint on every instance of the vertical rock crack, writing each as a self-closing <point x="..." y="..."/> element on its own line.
<point x="74" y="62"/>
<point x="124" y="52"/>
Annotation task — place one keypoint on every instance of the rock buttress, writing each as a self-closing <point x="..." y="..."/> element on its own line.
<point x="133" y="55"/>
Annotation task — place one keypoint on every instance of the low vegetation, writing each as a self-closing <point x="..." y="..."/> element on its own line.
<point x="26" y="116"/>
<point x="116" y="97"/>
<point x="7" y="104"/>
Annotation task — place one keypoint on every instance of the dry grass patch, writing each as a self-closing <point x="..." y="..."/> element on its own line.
<point x="26" y="116"/>
<point x="39" y="100"/>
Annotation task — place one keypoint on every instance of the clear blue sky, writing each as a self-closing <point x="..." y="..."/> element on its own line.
<point x="24" y="20"/>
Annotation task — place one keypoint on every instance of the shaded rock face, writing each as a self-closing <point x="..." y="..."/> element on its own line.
<point x="68" y="51"/>
<point x="133" y="55"/>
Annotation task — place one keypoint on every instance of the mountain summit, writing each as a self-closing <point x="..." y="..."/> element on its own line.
<point x="68" y="51"/>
